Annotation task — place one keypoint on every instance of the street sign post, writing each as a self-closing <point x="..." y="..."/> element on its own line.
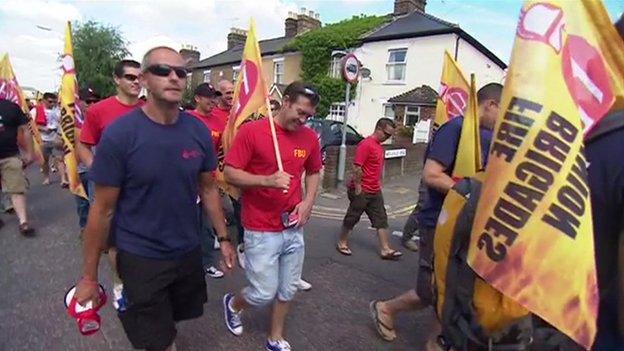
<point x="350" y="73"/>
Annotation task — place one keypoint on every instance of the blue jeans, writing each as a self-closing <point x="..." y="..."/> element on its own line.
<point x="82" y="205"/>
<point x="206" y="237"/>
<point x="273" y="263"/>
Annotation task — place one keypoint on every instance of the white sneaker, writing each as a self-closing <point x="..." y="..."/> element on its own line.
<point x="213" y="272"/>
<point x="240" y="253"/>
<point x="303" y="285"/>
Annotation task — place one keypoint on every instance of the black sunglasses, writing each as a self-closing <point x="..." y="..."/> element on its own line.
<point x="130" y="77"/>
<point x="163" y="70"/>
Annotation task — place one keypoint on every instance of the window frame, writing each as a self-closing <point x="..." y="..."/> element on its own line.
<point x="278" y="62"/>
<point x="338" y="107"/>
<point x="206" y="73"/>
<point x="409" y="113"/>
<point x="385" y="105"/>
<point x="235" y="73"/>
<point x="393" y="64"/>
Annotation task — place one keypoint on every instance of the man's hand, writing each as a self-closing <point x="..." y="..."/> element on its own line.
<point x="227" y="251"/>
<point x="27" y="160"/>
<point x="304" y="211"/>
<point x="357" y="190"/>
<point x="87" y="291"/>
<point x="279" y="179"/>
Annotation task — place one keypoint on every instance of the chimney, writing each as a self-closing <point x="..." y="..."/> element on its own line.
<point x="403" y="7"/>
<point x="307" y="20"/>
<point x="189" y="54"/>
<point x="290" y="25"/>
<point x="236" y="37"/>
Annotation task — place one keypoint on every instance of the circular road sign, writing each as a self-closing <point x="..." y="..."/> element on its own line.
<point x="350" y="68"/>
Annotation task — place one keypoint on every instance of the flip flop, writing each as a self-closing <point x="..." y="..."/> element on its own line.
<point x="392" y="255"/>
<point x="344" y="250"/>
<point x="387" y="334"/>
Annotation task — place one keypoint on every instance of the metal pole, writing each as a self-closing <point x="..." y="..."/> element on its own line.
<point x="342" y="157"/>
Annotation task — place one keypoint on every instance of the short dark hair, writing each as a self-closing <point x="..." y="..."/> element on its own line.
<point x="296" y="89"/>
<point x="119" y="67"/>
<point x="619" y="26"/>
<point x="49" y="95"/>
<point x="384" y="122"/>
<point x="275" y="104"/>
<point x="490" y="91"/>
<point x="206" y="90"/>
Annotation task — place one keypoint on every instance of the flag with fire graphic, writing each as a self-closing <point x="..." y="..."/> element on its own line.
<point x="453" y="94"/>
<point x="10" y="90"/>
<point x="532" y="237"/>
<point x="250" y="99"/>
<point x="71" y="116"/>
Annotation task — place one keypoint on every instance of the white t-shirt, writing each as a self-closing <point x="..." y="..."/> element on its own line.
<point x="53" y="117"/>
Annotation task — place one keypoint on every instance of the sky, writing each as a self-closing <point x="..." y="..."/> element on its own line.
<point x="205" y="24"/>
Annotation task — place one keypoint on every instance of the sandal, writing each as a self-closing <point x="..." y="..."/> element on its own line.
<point x="344" y="250"/>
<point x="26" y="230"/>
<point x="383" y="330"/>
<point x="393" y="255"/>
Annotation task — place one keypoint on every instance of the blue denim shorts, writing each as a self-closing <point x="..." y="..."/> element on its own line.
<point x="273" y="263"/>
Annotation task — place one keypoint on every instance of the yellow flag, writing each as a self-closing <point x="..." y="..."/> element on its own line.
<point x="532" y="237"/>
<point x="10" y="90"/>
<point x="70" y="114"/>
<point x="468" y="159"/>
<point x="453" y="94"/>
<point x="250" y="94"/>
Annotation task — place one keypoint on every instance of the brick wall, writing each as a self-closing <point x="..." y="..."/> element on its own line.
<point x="409" y="165"/>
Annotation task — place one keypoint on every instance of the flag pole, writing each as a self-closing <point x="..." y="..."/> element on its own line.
<point x="278" y="156"/>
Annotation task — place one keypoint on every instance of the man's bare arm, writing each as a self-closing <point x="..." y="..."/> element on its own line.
<point x="434" y="176"/>
<point x="85" y="155"/>
<point x="98" y="226"/>
<point x="27" y="141"/>
<point x="243" y="179"/>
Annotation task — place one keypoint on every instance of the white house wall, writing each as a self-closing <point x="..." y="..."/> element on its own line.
<point x="424" y="66"/>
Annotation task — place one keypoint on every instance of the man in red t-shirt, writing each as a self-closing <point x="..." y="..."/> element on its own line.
<point x="224" y="105"/>
<point x="274" y="210"/>
<point x="102" y="114"/>
<point x="206" y="98"/>
<point x="365" y="190"/>
<point x="99" y="116"/>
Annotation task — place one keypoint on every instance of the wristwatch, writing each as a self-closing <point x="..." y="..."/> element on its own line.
<point x="225" y="238"/>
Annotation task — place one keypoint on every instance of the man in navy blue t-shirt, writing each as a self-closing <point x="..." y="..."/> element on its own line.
<point x="148" y="170"/>
<point x="439" y="164"/>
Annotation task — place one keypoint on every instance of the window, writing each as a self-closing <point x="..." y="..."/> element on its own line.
<point x="388" y="111"/>
<point x="189" y="81"/>
<point x="278" y="71"/>
<point x="235" y="73"/>
<point x="207" y="76"/>
<point x="335" y="68"/>
<point x="337" y="111"/>
<point x="397" y="59"/>
<point x="412" y="115"/>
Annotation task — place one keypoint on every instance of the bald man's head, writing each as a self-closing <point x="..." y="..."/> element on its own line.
<point x="227" y="93"/>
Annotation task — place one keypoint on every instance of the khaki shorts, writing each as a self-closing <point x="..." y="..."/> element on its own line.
<point x="12" y="174"/>
<point x="372" y="204"/>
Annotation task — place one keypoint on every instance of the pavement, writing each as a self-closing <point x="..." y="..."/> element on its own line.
<point x="36" y="272"/>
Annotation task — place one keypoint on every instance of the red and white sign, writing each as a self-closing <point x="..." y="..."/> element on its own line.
<point x="250" y="78"/>
<point x="455" y="100"/>
<point x="350" y="68"/>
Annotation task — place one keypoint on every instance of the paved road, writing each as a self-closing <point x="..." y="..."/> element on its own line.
<point x="35" y="273"/>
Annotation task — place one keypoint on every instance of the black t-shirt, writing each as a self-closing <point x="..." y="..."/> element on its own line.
<point x="11" y="117"/>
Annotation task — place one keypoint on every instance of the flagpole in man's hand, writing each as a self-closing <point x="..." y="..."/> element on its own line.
<point x="278" y="156"/>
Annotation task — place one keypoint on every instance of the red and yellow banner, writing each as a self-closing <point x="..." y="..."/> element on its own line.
<point x="250" y="96"/>
<point x="10" y="90"/>
<point x="453" y="94"/>
<point x="532" y="237"/>
<point x="468" y="159"/>
<point x="71" y="116"/>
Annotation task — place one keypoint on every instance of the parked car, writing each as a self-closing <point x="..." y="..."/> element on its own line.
<point x="330" y="134"/>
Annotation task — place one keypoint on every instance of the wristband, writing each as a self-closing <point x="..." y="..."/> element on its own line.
<point x="225" y="238"/>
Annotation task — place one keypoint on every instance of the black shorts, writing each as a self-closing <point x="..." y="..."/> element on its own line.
<point x="372" y="204"/>
<point x="159" y="293"/>
<point x="424" y="280"/>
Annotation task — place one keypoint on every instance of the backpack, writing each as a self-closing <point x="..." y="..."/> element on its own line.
<point x="473" y="314"/>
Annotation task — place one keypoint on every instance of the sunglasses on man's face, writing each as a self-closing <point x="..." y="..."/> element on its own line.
<point x="163" y="70"/>
<point x="51" y="102"/>
<point x="130" y="77"/>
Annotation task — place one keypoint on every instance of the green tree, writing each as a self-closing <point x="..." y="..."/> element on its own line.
<point x="97" y="48"/>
